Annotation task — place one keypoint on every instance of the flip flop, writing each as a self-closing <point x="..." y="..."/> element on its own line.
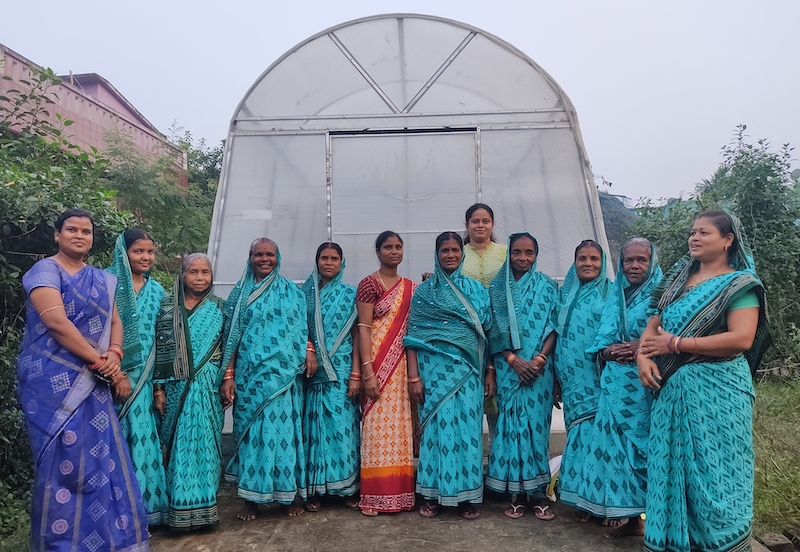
<point x="515" y="511"/>
<point x="543" y="512"/>
<point x="469" y="512"/>
<point x="350" y="504"/>
<point x="429" y="510"/>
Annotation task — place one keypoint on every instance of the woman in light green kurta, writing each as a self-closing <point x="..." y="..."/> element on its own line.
<point x="188" y="355"/>
<point x="138" y="301"/>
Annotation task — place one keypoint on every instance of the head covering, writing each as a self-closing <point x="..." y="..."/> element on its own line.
<point x="344" y="303"/>
<point x="126" y="306"/>
<point x="245" y="292"/>
<point x="627" y="296"/>
<point x="573" y="286"/>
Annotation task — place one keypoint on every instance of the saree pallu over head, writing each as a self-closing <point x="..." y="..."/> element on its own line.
<point x="85" y="495"/>
<point x="448" y="316"/>
<point x="578" y="319"/>
<point x="515" y="318"/>
<point x="625" y="313"/>
<point x="126" y="305"/>
<point x="331" y="314"/>
<point x="707" y="315"/>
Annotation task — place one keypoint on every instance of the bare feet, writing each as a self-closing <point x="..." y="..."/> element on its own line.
<point x="293" y="510"/>
<point x="351" y="503"/>
<point x="249" y="511"/>
<point x="369" y="512"/>
<point x="313" y="505"/>
<point x="634" y="528"/>
<point x="613" y="522"/>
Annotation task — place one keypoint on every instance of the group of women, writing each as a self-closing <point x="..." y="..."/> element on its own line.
<point x="335" y="390"/>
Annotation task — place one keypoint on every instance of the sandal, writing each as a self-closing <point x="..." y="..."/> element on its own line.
<point x="515" y="511"/>
<point x="350" y="503"/>
<point x="429" y="510"/>
<point x="369" y="512"/>
<point x="543" y="511"/>
<point x="468" y="511"/>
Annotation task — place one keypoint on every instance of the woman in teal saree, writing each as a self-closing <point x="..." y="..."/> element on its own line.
<point x="581" y="298"/>
<point x="265" y="354"/>
<point x="447" y="357"/>
<point x="698" y="352"/>
<point x="522" y="337"/>
<point x="188" y="356"/>
<point x="331" y="417"/>
<point x="138" y="301"/>
<point x="614" y="477"/>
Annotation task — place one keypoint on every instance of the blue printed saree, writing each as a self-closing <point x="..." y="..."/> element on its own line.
<point x="446" y="328"/>
<point x="331" y="420"/>
<point x="85" y="495"/>
<point x="188" y="359"/>
<point x="700" y="463"/>
<point x="137" y="415"/>
<point x="578" y="319"/>
<point x="521" y="321"/>
<point x="614" y="477"/>
<point x="268" y="334"/>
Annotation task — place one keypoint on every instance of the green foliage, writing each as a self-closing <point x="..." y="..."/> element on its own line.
<point x="41" y="175"/>
<point x="753" y="183"/>
<point x="776" y="441"/>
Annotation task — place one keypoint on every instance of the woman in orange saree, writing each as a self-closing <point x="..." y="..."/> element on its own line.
<point x="383" y="300"/>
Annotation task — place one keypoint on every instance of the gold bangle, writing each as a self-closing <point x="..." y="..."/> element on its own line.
<point x="369" y="377"/>
<point x="511" y="358"/>
<point x="414" y="380"/>
<point x="52" y="308"/>
<point x="362" y="325"/>
<point x="159" y="392"/>
<point x="365" y="363"/>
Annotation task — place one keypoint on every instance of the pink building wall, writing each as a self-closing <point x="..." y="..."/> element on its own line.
<point x="96" y="108"/>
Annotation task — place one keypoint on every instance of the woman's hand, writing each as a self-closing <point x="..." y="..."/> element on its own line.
<point x="110" y="367"/>
<point x="311" y="363"/>
<point x="526" y="372"/>
<point x="416" y="392"/>
<point x="159" y="401"/>
<point x="353" y="388"/>
<point x="371" y="387"/>
<point x="122" y="387"/>
<point x="658" y="344"/>
<point x="227" y="392"/>
<point x="621" y="352"/>
<point x="490" y="384"/>
<point x="649" y="374"/>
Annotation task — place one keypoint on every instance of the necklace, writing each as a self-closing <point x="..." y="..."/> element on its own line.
<point x="378" y="272"/>
<point x="69" y="264"/>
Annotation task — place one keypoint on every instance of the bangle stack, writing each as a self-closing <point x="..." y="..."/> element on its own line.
<point x="117" y="349"/>
<point x="355" y="376"/>
<point x="510" y="358"/>
<point x="369" y="377"/>
<point x="365" y="363"/>
<point x="542" y="357"/>
<point x="674" y="344"/>
<point x="637" y="353"/>
<point x="229" y="373"/>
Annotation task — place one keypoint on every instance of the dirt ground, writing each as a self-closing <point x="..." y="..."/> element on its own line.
<point x="338" y="529"/>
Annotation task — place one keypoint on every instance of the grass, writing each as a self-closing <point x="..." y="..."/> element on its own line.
<point x="776" y="435"/>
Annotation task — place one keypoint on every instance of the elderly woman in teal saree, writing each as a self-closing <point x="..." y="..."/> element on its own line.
<point x="331" y="417"/>
<point x="523" y="300"/>
<point x="188" y="356"/>
<point x="138" y="301"/>
<point x="447" y="356"/>
<point x="264" y="359"/>
<point x="709" y="332"/>
<point x="614" y="478"/>
<point x="578" y="317"/>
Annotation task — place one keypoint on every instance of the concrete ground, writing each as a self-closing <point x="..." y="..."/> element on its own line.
<point x="338" y="529"/>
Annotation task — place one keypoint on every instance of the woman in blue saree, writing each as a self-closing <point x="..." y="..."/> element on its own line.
<point x="331" y="417"/>
<point x="709" y="332"/>
<point x="522" y="338"/>
<point x="138" y="301"/>
<point x="578" y="317"/>
<point x="614" y="478"/>
<point x="447" y="357"/>
<point x="85" y="495"/>
<point x="188" y="375"/>
<point x="265" y="354"/>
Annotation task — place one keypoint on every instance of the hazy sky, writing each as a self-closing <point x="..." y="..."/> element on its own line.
<point x="658" y="86"/>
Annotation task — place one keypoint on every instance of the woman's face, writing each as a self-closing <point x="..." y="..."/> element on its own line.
<point x="587" y="263"/>
<point x="141" y="255"/>
<point x="522" y="255"/>
<point x="263" y="259"/>
<point x="706" y="242"/>
<point x="75" y="237"/>
<point x="449" y="255"/>
<point x="197" y="278"/>
<point x="390" y="253"/>
<point x="329" y="264"/>
<point x="479" y="226"/>
<point x="635" y="262"/>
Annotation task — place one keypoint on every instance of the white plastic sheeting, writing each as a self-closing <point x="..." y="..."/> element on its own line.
<point x="400" y="122"/>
